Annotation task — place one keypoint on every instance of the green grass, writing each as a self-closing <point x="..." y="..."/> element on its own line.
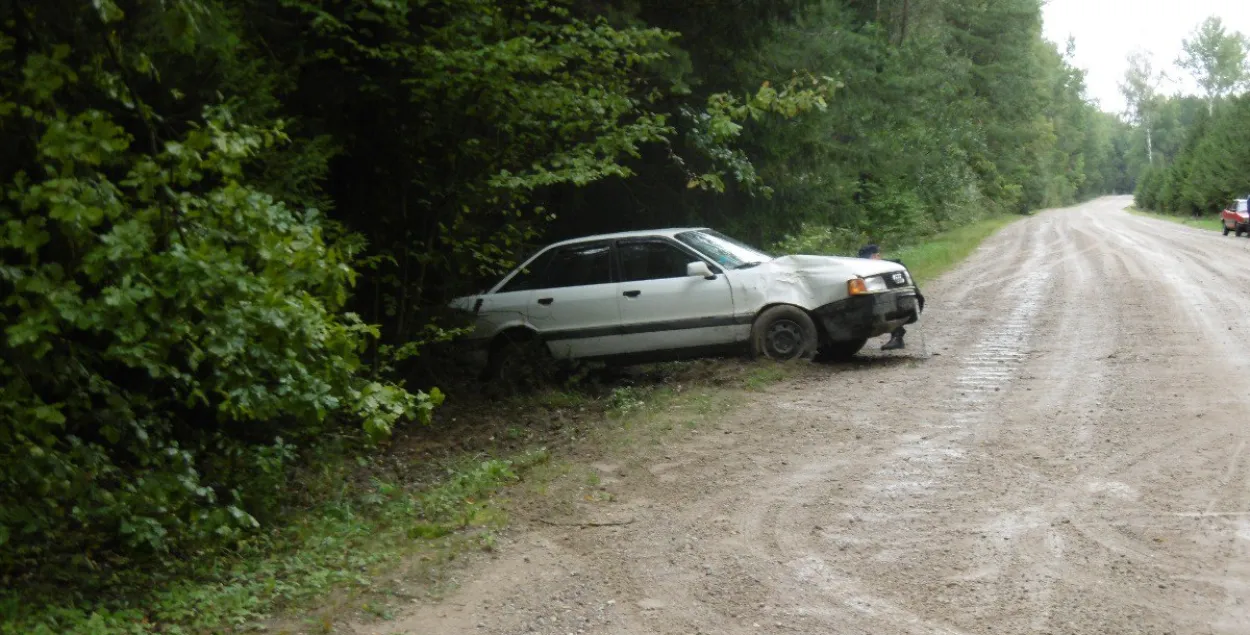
<point x="926" y="256"/>
<point x="1207" y="223"/>
<point x="766" y="374"/>
<point x="375" y="535"/>
<point x="937" y="254"/>
<point x="341" y="548"/>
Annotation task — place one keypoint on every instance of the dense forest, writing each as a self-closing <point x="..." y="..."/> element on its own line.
<point x="229" y="226"/>
<point x="1192" y="153"/>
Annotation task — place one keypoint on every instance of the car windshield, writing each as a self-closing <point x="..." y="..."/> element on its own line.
<point x="1240" y="205"/>
<point x="723" y="250"/>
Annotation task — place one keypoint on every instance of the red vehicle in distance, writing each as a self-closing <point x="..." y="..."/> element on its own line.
<point x="1236" y="218"/>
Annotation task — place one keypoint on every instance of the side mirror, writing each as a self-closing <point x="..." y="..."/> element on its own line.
<point x="699" y="269"/>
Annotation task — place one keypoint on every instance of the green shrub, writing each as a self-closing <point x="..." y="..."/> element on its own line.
<point x="172" y="333"/>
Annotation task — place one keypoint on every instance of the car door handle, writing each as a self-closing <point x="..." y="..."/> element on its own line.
<point x="632" y="294"/>
<point x="546" y="301"/>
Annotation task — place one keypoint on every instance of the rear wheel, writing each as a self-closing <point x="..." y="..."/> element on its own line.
<point x="520" y="360"/>
<point x="783" y="333"/>
<point x="840" y="351"/>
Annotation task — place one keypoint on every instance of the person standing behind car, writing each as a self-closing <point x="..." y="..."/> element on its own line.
<point x="873" y="252"/>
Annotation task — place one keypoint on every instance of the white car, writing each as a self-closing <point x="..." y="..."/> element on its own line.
<point x="670" y="294"/>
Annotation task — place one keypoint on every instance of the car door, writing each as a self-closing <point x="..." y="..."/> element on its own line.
<point x="662" y="308"/>
<point x="508" y="305"/>
<point x="573" y="305"/>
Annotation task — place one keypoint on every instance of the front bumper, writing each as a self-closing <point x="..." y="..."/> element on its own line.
<point x="864" y="316"/>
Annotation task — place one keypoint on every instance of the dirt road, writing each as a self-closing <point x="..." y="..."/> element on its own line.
<point x="1073" y="460"/>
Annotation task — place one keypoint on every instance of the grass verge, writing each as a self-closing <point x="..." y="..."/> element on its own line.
<point x="926" y="257"/>
<point x="386" y="526"/>
<point x="383" y="527"/>
<point x="937" y="254"/>
<point x="338" y="547"/>
<point x="1208" y="223"/>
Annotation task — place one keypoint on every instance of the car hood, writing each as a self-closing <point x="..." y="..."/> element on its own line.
<point x="805" y="281"/>
<point x="822" y="265"/>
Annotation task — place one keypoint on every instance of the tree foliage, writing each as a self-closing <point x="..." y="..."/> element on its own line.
<point x="1202" y="144"/>
<point x="171" y="328"/>
<point x="1217" y="59"/>
<point x="947" y="110"/>
<point x="1208" y="169"/>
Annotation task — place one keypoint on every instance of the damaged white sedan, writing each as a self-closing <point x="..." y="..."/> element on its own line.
<point x="672" y="294"/>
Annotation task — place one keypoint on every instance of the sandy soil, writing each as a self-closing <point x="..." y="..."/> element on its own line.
<point x="1071" y="459"/>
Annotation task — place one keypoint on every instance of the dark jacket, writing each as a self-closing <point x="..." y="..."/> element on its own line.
<point x="919" y="295"/>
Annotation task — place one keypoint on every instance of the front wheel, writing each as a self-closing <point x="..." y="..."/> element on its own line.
<point x="1225" y="226"/>
<point x="840" y="351"/>
<point x="784" y="333"/>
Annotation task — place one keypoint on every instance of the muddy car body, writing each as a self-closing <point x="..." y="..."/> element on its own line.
<point x="682" y="293"/>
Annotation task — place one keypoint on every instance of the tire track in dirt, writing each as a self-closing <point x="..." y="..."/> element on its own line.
<point x="1056" y="420"/>
<point x="1107" y="530"/>
<point x="1201" y="272"/>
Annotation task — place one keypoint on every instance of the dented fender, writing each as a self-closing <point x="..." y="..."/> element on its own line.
<point x="808" y="282"/>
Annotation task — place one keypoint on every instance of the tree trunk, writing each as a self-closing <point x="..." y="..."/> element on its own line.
<point x="1150" y="151"/>
<point x="401" y="321"/>
<point x="902" y="29"/>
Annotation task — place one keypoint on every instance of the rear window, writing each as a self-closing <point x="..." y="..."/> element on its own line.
<point x="570" y="266"/>
<point x="530" y="276"/>
<point x="579" y="266"/>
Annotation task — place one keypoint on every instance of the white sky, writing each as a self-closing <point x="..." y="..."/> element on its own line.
<point x="1106" y="31"/>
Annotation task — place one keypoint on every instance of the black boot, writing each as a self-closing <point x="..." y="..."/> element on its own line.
<point x="895" y="343"/>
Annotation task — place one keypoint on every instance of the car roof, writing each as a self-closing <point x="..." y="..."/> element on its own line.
<point x="642" y="233"/>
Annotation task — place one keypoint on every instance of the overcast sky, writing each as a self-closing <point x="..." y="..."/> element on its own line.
<point x="1106" y="31"/>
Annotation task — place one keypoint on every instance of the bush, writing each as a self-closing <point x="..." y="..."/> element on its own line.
<point x="171" y="332"/>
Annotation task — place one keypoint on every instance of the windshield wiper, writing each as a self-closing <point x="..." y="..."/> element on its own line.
<point x="748" y="265"/>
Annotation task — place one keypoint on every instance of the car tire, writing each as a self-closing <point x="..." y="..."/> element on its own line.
<point x="1239" y="232"/>
<point x="1225" y="226"/>
<point x="783" y="333"/>
<point x="840" y="351"/>
<point x="519" y="360"/>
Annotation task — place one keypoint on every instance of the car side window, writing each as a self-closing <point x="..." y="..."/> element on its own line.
<point x="579" y="266"/>
<point x="652" y="260"/>
<point x="530" y="276"/>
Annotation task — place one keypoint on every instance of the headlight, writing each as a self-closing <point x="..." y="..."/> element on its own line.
<point x="862" y="286"/>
